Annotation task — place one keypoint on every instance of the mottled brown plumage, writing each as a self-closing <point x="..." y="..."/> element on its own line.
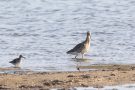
<point x="16" y="61"/>
<point x="81" y="47"/>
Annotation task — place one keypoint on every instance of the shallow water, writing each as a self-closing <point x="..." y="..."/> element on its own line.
<point x="43" y="30"/>
<point x="119" y="87"/>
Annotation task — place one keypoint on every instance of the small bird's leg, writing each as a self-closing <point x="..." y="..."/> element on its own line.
<point x="16" y="65"/>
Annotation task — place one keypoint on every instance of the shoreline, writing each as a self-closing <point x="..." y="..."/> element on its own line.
<point x="103" y="75"/>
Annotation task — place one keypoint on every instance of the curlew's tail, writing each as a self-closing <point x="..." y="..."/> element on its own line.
<point x="70" y="51"/>
<point x="10" y="62"/>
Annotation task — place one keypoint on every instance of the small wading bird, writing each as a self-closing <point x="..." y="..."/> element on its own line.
<point x="16" y="61"/>
<point x="81" y="48"/>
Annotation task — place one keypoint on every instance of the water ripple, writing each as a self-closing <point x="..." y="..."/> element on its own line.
<point x="44" y="30"/>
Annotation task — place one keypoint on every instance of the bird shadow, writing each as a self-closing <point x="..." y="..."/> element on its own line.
<point x="81" y="59"/>
<point x="81" y="62"/>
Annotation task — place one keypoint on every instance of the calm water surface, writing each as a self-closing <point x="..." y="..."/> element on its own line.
<point x="43" y="30"/>
<point x="120" y="87"/>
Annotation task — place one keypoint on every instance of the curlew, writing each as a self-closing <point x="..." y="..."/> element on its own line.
<point x="82" y="47"/>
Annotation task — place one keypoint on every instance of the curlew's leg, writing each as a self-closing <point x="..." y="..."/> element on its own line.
<point x="82" y="56"/>
<point x="76" y="56"/>
<point x="77" y="67"/>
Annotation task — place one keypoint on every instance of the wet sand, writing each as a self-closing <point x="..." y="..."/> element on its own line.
<point x="97" y="76"/>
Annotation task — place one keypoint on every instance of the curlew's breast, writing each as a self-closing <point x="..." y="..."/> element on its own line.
<point x="86" y="48"/>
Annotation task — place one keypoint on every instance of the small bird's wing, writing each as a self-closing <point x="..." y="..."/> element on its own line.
<point x="78" y="48"/>
<point x="14" y="61"/>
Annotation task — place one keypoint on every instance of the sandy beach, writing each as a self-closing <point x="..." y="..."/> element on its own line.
<point x="98" y="77"/>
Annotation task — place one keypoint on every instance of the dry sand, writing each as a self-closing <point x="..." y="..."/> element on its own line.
<point x="101" y="76"/>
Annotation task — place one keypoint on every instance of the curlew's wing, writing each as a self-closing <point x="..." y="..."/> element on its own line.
<point x="78" y="48"/>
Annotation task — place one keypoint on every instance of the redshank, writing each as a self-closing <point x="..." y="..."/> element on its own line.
<point x="16" y="61"/>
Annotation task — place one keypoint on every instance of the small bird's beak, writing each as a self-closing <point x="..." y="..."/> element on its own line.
<point x="23" y="57"/>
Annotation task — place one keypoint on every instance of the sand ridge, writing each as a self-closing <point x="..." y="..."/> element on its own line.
<point x="106" y="75"/>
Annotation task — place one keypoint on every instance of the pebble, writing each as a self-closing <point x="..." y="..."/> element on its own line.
<point x="112" y="74"/>
<point x="70" y="76"/>
<point x="85" y="76"/>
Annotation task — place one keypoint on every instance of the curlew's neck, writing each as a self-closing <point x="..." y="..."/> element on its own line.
<point x="88" y="39"/>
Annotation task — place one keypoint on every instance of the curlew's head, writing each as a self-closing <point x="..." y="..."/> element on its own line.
<point x="88" y="34"/>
